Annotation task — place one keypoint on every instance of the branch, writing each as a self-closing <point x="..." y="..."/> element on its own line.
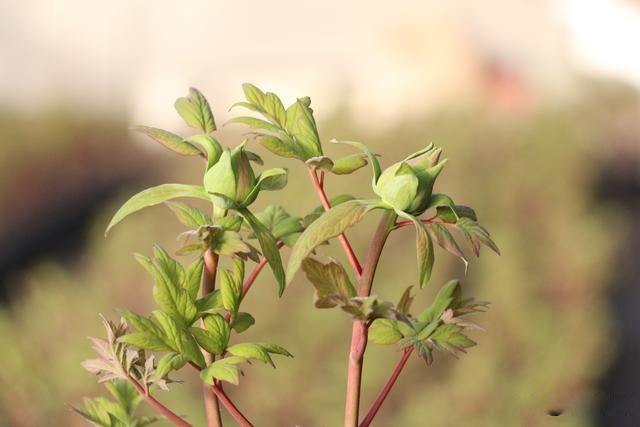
<point x="175" y="419"/>
<point x="228" y="404"/>
<point x="387" y="388"/>
<point x="319" y="186"/>
<point x="255" y="272"/>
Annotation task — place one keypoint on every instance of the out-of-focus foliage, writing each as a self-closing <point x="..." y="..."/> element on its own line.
<point x="548" y="334"/>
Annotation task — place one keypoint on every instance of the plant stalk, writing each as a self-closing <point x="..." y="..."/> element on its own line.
<point x="211" y="406"/>
<point x="353" y="259"/>
<point x="170" y="415"/>
<point x="228" y="404"/>
<point x="359" y="329"/>
<point x="387" y="387"/>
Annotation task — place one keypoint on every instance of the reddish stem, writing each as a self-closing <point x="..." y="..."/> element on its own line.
<point x="175" y="419"/>
<point x="424" y="221"/>
<point x="319" y="186"/>
<point x="387" y="387"/>
<point x="211" y="407"/>
<point x="255" y="272"/>
<point x="228" y="404"/>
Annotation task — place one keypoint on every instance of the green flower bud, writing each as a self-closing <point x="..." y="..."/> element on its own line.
<point x="232" y="176"/>
<point x="407" y="185"/>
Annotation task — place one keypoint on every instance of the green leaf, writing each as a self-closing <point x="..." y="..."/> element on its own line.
<point x="255" y="123"/>
<point x="144" y="341"/>
<point x="279" y="222"/>
<point x="319" y="210"/>
<point x="169" y="292"/>
<point x="242" y="322"/>
<point x="372" y="158"/>
<point x="448" y="294"/>
<point x="384" y="331"/>
<point x="155" y="195"/>
<point x="223" y="370"/>
<point x="192" y="278"/>
<point x="211" y="146"/>
<point x="349" y="164"/>
<point x="450" y="337"/>
<point x="268" y="245"/>
<point x="215" y="337"/>
<point x="189" y="215"/>
<point x="283" y="147"/>
<point x="446" y="241"/>
<point x="445" y="207"/>
<point x="331" y="281"/>
<point x="210" y="303"/>
<point x="331" y="224"/>
<point x="195" y="111"/>
<point x="230" y="292"/>
<point x="424" y="249"/>
<point x="170" y="140"/>
<point x="301" y="124"/>
<point x="269" y="180"/>
<point x="170" y="362"/>
<point x="251" y="351"/>
<point x="275" y="349"/>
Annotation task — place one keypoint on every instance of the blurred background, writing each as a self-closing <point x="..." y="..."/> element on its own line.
<point x="535" y="103"/>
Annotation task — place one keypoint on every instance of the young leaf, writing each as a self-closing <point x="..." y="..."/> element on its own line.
<point x="210" y="145"/>
<point x="275" y="349"/>
<point x="448" y="295"/>
<point x="251" y="351"/>
<point x="404" y="305"/>
<point x="189" y="215"/>
<point x="195" y="110"/>
<point x="215" y="337"/>
<point x="170" y="140"/>
<point x="476" y="235"/>
<point x="384" y="331"/>
<point x="224" y="370"/>
<point x="331" y="281"/>
<point x="242" y="322"/>
<point x="349" y="164"/>
<point x="446" y="241"/>
<point x="229" y="291"/>
<point x="372" y="158"/>
<point x="156" y="195"/>
<point x="192" y="278"/>
<point x="269" y="247"/>
<point x="255" y="123"/>
<point x="424" y="249"/>
<point x="170" y="362"/>
<point x="329" y="225"/>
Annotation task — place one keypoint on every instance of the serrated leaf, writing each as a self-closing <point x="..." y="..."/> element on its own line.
<point x="192" y="278"/>
<point x="331" y="224"/>
<point x="349" y="164"/>
<point x="384" y="331"/>
<point x="156" y="195"/>
<point x="242" y="322"/>
<point x="331" y="282"/>
<point x="144" y="341"/>
<point x="170" y="362"/>
<point x="255" y="123"/>
<point x="170" y="140"/>
<point x="476" y="235"/>
<point x="189" y="215"/>
<point x="269" y="247"/>
<point x="195" y="111"/>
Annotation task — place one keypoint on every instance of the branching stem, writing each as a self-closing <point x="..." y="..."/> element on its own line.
<point x="359" y="330"/>
<point x="170" y="415"/>
<point x="319" y="186"/>
<point x="229" y="406"/>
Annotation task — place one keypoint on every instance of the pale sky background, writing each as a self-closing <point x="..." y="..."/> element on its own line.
<point x="391" y="58"/>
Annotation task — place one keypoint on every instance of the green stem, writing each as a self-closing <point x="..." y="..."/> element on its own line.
<point x="359" y="330"/>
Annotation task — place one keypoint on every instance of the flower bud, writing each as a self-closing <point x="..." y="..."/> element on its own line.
<point x="232" y="176"/>
<point x="407" y="185"/>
